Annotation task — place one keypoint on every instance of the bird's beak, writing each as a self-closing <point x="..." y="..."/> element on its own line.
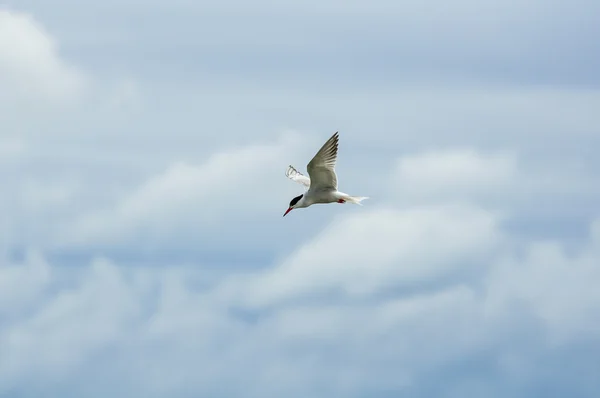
<point x="287" y="211"/>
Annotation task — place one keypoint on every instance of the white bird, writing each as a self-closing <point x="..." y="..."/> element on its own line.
<point x="322" y="182"/>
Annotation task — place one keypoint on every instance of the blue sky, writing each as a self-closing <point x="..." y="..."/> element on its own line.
<point x="143" y="149"/>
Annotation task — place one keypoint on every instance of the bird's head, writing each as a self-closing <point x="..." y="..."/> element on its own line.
<point x="294" y="203"/>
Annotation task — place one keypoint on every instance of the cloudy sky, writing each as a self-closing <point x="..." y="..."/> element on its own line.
<point x="143" y="146"/>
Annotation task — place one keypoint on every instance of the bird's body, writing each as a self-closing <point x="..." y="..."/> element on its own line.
<point x="321" y="181"/>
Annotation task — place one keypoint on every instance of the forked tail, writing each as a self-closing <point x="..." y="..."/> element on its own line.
<point x="355" y="199"/>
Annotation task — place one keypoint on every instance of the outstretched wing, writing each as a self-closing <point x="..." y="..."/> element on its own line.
<point x="321" y="168"/>
<point x="295" y="175"/>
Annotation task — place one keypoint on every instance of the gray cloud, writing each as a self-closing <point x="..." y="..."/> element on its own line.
<point x="158" y="321"/>
<point x="534" y="42"/>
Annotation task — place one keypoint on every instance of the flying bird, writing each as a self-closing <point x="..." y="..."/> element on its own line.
<point x="321" y="182"/>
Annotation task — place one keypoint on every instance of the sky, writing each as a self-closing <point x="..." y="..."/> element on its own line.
<point x="143" y="152"/>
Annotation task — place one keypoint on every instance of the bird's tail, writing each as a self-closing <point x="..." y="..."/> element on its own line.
<point x="355" y="199"/>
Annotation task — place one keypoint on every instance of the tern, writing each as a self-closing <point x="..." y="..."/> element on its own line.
<point x="322" y="180"/>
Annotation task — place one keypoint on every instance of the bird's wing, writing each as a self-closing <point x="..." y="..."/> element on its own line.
<point x="321" y="168"/>
<point x="295" y="175"/>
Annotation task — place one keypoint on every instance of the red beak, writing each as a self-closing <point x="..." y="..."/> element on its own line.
<point x="287" y="211"/>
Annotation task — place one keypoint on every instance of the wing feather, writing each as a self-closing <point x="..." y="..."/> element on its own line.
<point x="321" y="169"/>
<point x="295" y="175"/>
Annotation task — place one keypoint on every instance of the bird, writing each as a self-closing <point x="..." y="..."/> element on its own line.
<point x="321" y="182"/>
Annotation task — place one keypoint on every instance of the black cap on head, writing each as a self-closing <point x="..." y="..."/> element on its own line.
<point x="295" y="200"/>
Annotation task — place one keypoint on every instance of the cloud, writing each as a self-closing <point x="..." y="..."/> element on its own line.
<point x="186" y="199"/>
<point x="143" y="248"/>
<point x="425" y="38"/>
<point x="30" y="65"/>
<point x="45" y="100"/>
<point x="163" y="327"/>
<point x="450" y="173"/>
<point x="505" y="181"/>
<point x="22" y="286"/>
<point x="557" y="286"/>
<point x="357" y="308"/>
<point x="374" y="251"/>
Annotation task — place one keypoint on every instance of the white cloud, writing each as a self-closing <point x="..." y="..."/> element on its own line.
<point x="510" y="184"/>
<point x="454" y="173"/>
<point x="411" y="289"/>
<point x="374" y="250"/>
<point x="559" y="288"/>
<point x="47" y="107"/>
<point x="154" y="325"/>
<point x="30" y="65"/>
<point x="65" y="326"/>
<point x="22" y="285"/>
<point x="233" y="184"/>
